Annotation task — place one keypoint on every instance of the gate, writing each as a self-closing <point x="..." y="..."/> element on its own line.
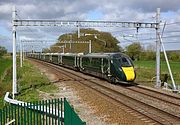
<point x="70" y="116"/>
<point x="46" y="112"/>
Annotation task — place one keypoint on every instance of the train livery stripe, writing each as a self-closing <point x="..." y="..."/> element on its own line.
<point x="129" y="72"/>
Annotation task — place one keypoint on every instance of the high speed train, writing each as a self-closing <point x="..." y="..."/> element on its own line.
<point x="114" y="67"/>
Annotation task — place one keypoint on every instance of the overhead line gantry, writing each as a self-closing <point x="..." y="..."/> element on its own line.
<point x="83" y="24"/>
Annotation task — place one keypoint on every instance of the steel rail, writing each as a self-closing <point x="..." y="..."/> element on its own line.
<point x="153" y="96"/>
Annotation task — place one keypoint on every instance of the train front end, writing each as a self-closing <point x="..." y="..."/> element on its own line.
<point x="129" y="73"/>
<point x="123" y="68"/>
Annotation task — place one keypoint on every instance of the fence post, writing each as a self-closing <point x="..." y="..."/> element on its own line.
<point x="15" y="107"/>
<point x="6" y="115"/>
<point x="49" y="111"/>
<point x="64" y="111"/>
<point x="43" y="111"/>
<point x="31" y="113"/>
<point x="58" y="113"/>
<point x="46" y="113"/>
<point x="25" y="111"/>
<point x="40" y="111"/>
<point x="34" y="114"/>
<point x="9" y="113"/>
<point x="18" y="114"/>
<point x="61" y="111"/>
<point x="21" y="114"/>
<point x="27" y="108"/>
<point x="52" y="107"/>
<point x="55" y="112"/>
<point x="36" y="111"/>
<point x="12" y="110"/>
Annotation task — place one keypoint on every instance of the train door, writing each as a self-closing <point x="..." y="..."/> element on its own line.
<point x="105" y="66"/>
<point x="50" y="57"/>
<point x="78" y="62"/>
<point x="75" y="61"/>
<point x="102" y="66"/>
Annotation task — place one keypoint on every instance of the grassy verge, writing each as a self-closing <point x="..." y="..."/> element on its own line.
<point x="5" y="63"/>
<point x="5" y="77"/>
<point x="146" y="70"/>
<point x="30" y="81"/>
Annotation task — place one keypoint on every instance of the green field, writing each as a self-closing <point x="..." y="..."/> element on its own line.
<point x="146" y="71"/>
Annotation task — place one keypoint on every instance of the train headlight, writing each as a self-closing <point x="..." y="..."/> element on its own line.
<point x="120" y="69"/>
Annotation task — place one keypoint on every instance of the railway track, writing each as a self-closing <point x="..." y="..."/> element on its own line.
<point x="158" y="115"/>
<point x="174" y="100"/>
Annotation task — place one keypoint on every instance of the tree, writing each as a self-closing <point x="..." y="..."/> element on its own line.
<point x="46" y="50"/>
<point x="150" y="52"/>
<point x="3" y="51"/>
<point x="134" y="50"/>
<point x="100" y="41"/>
<point x="174" y="56"/>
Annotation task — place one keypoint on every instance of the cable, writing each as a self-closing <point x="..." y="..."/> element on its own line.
<point x="173" y="23"/>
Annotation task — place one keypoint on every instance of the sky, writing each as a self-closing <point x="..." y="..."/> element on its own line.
<point x="108" y="10"/>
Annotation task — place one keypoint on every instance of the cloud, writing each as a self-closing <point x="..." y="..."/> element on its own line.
<point x="118" y="10"/>
<point x="144" y="5"/>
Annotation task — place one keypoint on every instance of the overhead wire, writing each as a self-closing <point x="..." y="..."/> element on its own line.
<point x="173" y="23"/>
<point x="140" y="34"/>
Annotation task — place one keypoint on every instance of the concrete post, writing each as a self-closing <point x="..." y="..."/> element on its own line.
<point x="158" y="49"/>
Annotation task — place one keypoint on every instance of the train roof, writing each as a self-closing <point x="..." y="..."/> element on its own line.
<point x="65" y="54"/>
<point x="95" y="55"/>
<point x="102" y="55"/>
<point x="34" y="53"/>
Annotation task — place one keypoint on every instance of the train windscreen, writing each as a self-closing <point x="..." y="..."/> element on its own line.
<point x="124" y="61"/>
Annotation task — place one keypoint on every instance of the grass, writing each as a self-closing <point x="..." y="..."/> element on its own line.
<point x="4" y="64"/>
<point x="146" y="70"/>
<point x="5" y="77"/>
<point x="29" y="80"/>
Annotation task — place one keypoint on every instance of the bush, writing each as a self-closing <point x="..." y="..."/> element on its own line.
<point x="3" y="51"/>
<point x="134" y="50"/>
<point x="148" y="56"/>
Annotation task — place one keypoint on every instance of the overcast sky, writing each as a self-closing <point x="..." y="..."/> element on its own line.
<point x="114" y="10"/>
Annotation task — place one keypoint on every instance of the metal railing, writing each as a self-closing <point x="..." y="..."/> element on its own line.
<point x="45" y="112"/>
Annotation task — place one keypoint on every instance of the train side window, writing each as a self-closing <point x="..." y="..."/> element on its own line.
<point x="86" y="60"/>
<point x="95" y="61"/>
